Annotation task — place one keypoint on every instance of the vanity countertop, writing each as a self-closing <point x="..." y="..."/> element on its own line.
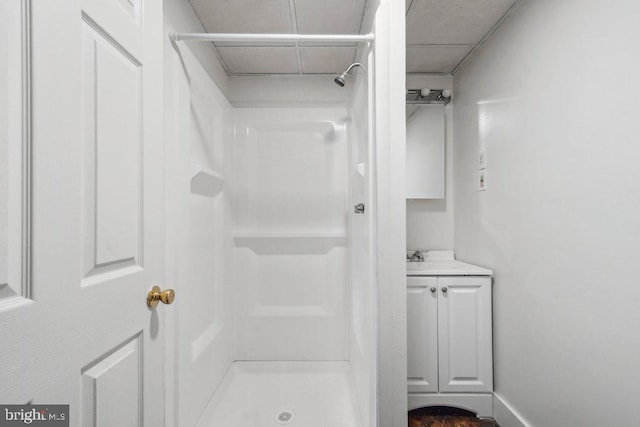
<point x="443" y="263"/>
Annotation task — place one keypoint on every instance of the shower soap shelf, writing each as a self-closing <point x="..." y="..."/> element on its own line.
<point x="205" y="182"/>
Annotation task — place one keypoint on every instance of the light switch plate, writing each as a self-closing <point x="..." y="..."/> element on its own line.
<point x="482" y="180"/>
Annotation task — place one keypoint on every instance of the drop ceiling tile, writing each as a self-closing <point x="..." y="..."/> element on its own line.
<point x="246" y="16"/>
<point x="435" y="59"/>
<point x="326" y="59"/>
<point x="329" y="16"/>
<point x="453" y="21"/>
<point x="260" y="60"/>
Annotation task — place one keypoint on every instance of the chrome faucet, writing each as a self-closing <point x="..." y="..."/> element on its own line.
<point x="415" y="257"/>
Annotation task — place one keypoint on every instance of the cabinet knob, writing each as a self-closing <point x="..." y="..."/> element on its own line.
<point x="433" y="289"/>
<point x="444" y="289"/>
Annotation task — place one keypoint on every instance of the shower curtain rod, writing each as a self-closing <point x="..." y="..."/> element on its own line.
<point x="218" y="37"/>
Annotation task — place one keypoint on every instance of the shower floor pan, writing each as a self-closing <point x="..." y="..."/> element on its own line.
<point x="296" y="394"/>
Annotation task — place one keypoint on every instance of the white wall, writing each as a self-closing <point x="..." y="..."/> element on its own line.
<point x="390" y="215"/>
<point x="430" y="222"/>
<point x="553" y="96"/>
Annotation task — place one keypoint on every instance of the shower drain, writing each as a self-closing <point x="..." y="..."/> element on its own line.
<point x="284" y="417"/>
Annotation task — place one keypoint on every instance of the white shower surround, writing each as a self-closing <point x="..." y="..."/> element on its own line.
<point x="200" y="331"/>
<point x="290" y="168"/>
<point x="282" y="245"/>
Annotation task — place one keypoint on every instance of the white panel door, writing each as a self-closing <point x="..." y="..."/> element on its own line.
<point x="464" y="342"/>
<point x="76" y="328"/>
<point x="422" y="334"/>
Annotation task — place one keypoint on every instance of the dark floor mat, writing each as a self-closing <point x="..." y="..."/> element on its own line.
<point x="448" y="421"/>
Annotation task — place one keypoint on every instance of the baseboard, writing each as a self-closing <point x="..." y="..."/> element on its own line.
<point x="481" y="404"/>
<point x="505" y="415"/>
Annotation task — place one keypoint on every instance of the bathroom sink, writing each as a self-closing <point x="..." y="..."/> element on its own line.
<point x="442" y="263"/>
<point x="413" y="266"/>
<point x="428" y="265"/>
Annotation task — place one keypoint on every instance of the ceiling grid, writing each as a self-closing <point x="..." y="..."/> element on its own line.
<point x="441" y="34"/>
<point x="294" y="21"/>
<point x="285" y="17"/>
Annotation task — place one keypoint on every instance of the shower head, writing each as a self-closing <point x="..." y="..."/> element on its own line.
<point x="340" y="80"/>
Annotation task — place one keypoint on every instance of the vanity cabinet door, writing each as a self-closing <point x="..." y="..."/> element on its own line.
<point x="422" y="334"/>
<point x="465" y="337"/>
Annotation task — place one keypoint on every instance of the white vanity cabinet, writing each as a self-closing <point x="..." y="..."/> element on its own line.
<point x="449" y="339"/>
<point x="449" y="334"/>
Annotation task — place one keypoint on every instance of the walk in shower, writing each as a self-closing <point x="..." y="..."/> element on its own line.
<point x="276" y="319"/>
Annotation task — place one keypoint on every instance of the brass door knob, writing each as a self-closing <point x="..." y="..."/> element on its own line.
<point x="157" y="295"/>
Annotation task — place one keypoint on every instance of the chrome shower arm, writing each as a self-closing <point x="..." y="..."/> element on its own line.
<point x="355" y="64"/>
